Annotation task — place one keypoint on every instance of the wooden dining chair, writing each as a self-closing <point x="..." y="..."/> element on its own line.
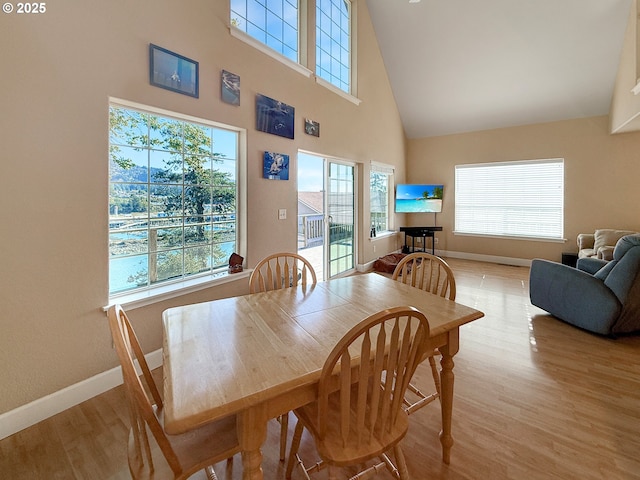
<point x="171" y="456"/>
<point x="431" y="274"/>
<point x="277" y="271"/>
<point x="358" y="415"/>
<point x="281" y="270"/>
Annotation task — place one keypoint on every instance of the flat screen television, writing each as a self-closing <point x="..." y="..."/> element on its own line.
<point x="418" y="198"/>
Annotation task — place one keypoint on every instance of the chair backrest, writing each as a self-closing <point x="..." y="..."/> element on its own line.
<point x="281" y="270"/>
<point x="427" y="272"/>
<point x="144" y="409"/>
<point x="377" y="359"/>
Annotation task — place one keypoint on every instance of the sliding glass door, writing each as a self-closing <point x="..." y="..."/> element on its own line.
<point x="326" y="214"/>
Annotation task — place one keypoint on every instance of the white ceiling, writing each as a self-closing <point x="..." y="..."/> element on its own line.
<point x="465" y="65"/>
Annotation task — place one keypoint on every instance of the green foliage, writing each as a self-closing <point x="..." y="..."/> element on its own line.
<point x="187" y="186"/>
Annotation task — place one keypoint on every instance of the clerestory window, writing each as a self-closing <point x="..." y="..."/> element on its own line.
<point x="271" y="22"/>
<point x="333" y="42"/>
<point x="283" y="25"/>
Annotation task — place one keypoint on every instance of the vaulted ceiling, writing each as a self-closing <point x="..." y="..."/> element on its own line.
<point x="465" y="65"/>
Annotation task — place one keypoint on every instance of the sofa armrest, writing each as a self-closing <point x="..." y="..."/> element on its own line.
<point x="573" y="296"/>
<point x="590" y="264"/>
<point x="606" y="252"/>
<point x="586" y="240"/>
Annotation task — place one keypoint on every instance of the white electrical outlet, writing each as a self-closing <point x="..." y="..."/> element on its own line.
<point x="282" y="214"/>
<point x="435" y="240"/>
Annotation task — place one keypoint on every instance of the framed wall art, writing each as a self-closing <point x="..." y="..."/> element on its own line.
<point x="311" y="127"/>
<point x="230" y="88"/>
<point x="276" y="166"/>
<point x="274" y="117"/>
<point x="172" y="71"/>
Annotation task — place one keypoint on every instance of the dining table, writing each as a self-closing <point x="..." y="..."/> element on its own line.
<point x="260" y="355"/>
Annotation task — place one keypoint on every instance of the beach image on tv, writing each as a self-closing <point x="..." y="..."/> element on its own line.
<point x="419" y="198"/>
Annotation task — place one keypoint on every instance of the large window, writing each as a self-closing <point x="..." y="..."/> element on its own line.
<point x="282" y="26"/>
<point x="514" y="199"/>
<point x="380" y="188"/>
<point x="271" y="22"/>
<point x="172" y="198"/>
<point x="333" y="42"/>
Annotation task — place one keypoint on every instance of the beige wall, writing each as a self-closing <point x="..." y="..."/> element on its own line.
<point x="601" y="179"/>
<point x="625" y="105"/>
<point x="58" y="71"/>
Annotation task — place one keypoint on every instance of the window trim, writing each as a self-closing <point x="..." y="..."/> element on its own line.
<point x="167" y="290"/>
<point x="514" y="236"/>
<point x="249" y="40"/>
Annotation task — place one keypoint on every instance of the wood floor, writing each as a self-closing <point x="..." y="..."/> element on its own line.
<point x="534" y="399"/>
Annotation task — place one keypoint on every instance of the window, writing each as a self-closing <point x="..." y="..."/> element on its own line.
<point x="515" y="199"/>
<point x="381" y="186"/>
<point x="271" y="22"/>
<point x="333" y="42"/>
<point x="279" y="28"/>
<point x="172" y="198"/>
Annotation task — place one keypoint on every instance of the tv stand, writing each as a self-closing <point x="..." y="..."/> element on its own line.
<point x="423" y="232"/>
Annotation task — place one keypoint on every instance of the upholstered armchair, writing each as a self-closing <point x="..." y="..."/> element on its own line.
<point x="606" y="302"/>
<point x="600" y="244"/>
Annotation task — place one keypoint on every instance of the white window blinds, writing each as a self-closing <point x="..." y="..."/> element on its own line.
<point x="515" y="199"/>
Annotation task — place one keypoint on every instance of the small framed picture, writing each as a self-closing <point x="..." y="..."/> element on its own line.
<point x="172" y="71"/>
<point x="230" y="88"/>
<point x="276" y="166"/>
<point x="311" y="127"/>
<point x="275" y="117"/>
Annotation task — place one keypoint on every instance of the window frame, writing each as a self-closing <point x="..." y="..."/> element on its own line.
<point x="335" y="42"/>
<point x="173" y="288"/>
<point x="517" y="188"/>
<point x="389" y="172"/>
<point x="305" y="52"/>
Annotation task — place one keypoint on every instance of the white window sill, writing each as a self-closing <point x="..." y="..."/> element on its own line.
<point x="249" y="40"/>
<point x="131" y="301"/>
<point x="322" y="82"/>
<point x="382" y="235"/>
<point x="512" y="237"/>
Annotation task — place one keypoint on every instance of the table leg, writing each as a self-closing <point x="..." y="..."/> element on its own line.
<point x="446" y="394"/>
<point x="252" y="432"/>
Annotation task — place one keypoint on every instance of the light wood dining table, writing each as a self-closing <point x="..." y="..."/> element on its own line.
<point x="260" y="355"/>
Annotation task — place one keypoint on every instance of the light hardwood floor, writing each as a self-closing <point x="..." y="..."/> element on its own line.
<point x="534" y="399"/>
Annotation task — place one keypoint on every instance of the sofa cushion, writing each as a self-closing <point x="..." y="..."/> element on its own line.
<point x="608" y="237"/>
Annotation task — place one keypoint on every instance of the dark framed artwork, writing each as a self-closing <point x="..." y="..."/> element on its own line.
<point x="172" y="71"/>
<point x="274" y="117"/>
<point x="276" y="166"/>
<point x="311" y="127"/>
<point x="230" y="88"/>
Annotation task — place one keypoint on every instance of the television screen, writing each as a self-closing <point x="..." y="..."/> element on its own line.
<point x="419" y="198"/>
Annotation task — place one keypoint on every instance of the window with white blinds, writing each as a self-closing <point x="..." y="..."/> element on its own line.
<point x="514" y="199"/>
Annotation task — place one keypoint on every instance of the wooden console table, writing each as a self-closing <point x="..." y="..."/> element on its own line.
<point x="423" y="232"/>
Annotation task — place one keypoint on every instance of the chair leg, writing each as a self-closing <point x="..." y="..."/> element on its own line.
<point x="435" y="373"/>
<point x="293" y="452"/>
<point x="333" y="472"/>
<point x="284" y="430"/>
<point x="401" y="463"/>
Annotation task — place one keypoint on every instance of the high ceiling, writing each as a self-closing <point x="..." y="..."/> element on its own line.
<point x="465" y="65"/>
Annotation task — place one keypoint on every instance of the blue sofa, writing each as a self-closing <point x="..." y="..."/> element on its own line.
<point x="602" y="297"/>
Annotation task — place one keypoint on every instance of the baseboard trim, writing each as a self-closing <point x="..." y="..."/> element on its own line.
<point x="31" y="413"/>
<point x="519" y="262"/>
<point x="26" y="415"/>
